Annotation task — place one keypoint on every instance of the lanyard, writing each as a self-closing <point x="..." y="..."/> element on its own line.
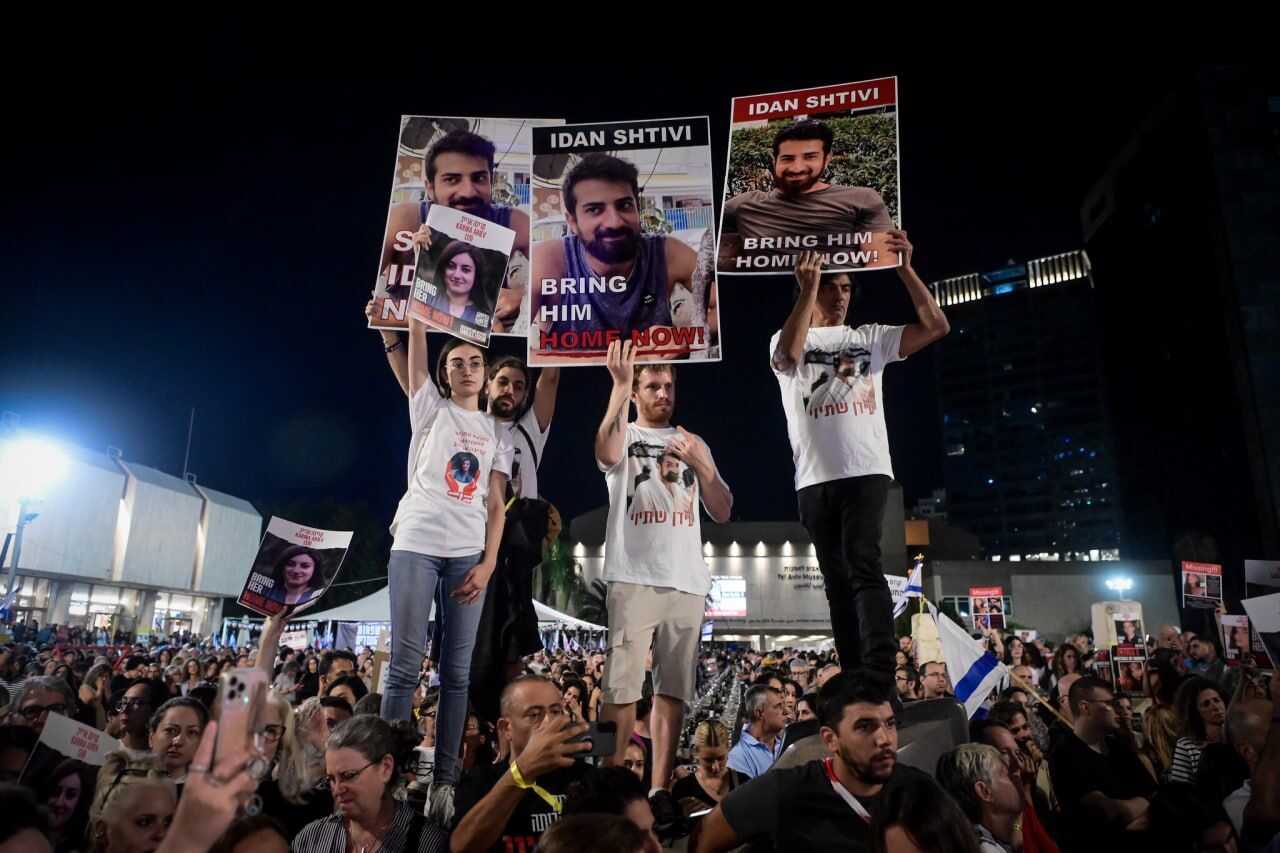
<point x="828" y="765"/>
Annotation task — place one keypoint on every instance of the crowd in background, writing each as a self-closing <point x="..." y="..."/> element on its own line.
<point x="1057" y="759"/>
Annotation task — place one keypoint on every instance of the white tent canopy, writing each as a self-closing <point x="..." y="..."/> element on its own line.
<point x="376" y="607"/>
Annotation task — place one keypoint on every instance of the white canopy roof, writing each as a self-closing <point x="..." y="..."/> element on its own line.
<point x="376" y="607"/>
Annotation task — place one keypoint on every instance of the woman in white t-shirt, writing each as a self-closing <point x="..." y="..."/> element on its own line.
<point x="446" y="534"/>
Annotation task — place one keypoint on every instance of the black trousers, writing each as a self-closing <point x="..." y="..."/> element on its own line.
<point x="844" y="519"/>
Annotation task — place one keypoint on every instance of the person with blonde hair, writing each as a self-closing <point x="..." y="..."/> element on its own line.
<point x="1159" y="738"/>
<point x="705" y="788"/>
<point x="132" y="806"/>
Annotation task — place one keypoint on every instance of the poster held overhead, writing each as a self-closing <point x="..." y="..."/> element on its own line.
<point x="986" y="607"/>
<point x="478" y="166"/>
<point x="623" y="242"/>
<point x="460" y="276"/>
<point x="1264" y="618"/>
<point x="294" y="567"/>
<point x="1201" y="585"/>
<point x="812" y="169"/>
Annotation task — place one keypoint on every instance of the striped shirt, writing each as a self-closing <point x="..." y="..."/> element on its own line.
<point x="1186" y="761"/>
<point x="329" y="835"/>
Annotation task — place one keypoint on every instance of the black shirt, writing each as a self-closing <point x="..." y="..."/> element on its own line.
<point x="798" y="809"/>
<point x="292" y="816"/>
<point x="532" y="815"/>
<point x="689" y="789"/>
<point x="1077" y="770"/>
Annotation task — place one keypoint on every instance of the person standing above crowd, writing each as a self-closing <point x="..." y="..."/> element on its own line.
<point x="447" y="530"/>
<point x="654" y="567"/>
<point x="831" y="379"/>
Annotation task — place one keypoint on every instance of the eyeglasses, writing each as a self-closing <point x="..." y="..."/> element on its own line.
<point x="271" y="734"/>
<point x="460" y="365"/>
<point x="35" y="712"/>
<point x="130" y="704"/>
<point x="346" y="777"/>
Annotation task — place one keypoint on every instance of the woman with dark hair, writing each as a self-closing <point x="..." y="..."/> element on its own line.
<point x="919" y="815"/>
<point x="366" y="761"/>
<point x="1014" y="653"/>
<point x="300" y="574"/>
<point x="791" y="693"/>
<point x="1202" y="711"/>
<point x="64" y="794"/>
<point x="460" y="282"/>
<point x="575" y="697"/>
<point x="309" y="682"/>
<point x="807" y="707"/>
<point x="446" y="540"/>
<point x="174" y="733"/>
<point x="191" y="676"/>
<point x="1066" y="661"/>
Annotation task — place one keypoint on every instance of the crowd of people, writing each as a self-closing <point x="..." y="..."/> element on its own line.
<point x="473" y="737"/>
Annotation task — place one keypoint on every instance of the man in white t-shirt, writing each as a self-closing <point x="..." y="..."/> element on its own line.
<point x="653" y="563"/>
<point x="831" y="379"/>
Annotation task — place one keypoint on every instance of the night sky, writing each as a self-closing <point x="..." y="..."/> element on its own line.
<point x="202" y="231"/>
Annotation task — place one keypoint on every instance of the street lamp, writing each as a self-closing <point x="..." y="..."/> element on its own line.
<point x="28" y="469"/>
<point x="1120" y="585"/>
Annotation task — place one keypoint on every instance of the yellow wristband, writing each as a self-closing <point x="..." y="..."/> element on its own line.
<point x="542" y="792"/>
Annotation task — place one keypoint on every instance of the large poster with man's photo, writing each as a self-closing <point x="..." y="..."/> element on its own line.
<point x="477" y="166"/>
<point x="812" y="169"/>
<point x="294" y="567"/>
<point x="623" y="242"/>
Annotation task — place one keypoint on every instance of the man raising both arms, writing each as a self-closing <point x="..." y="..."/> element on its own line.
<point x="830" y="376"/>
<point x="653" y="561"/>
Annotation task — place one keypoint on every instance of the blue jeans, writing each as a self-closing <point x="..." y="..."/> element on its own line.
<point x="413" y="580"/>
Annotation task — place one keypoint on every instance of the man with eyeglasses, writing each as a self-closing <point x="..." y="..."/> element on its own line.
<point x="1099" y="781"/>
<point x="37" y="698"/>
<point x="508" y="806"/>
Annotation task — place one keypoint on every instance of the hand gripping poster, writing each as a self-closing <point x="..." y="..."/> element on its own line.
<point x="460" y="274"/>
<point x="477" y="166"/>
<point x="812" y="169"/>
<point x="294" y="567"/>
<point x="623" y="242"/>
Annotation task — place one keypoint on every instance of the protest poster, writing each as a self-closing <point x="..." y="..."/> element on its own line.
<point x="62" y="770"/>
<point x="1201" y="585"/>
<point x="1102" y="666"/>
<point x="1264" y="618"/>
<point x="478" y="166"/>
<point x="1128" y="629"/>
<point x="986" y="607"/>
<point x="460" y="275"/>
<point x="1129" y="665"/>
<point x="812" y="169"/>
<point x="1261" y="576"/>
<point x="898" y="592"/>
<point x="294" y="566"/>
<point x="623" y="242"/>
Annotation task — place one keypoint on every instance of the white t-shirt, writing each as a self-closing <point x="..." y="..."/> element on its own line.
<point x="834" y="405"/>
<point x="451" y="455"/>
<point x="654" y="534"/>
<point x="528" y="447"/>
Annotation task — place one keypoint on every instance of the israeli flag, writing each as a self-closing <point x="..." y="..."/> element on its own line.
<point x="915" y="580"/>
<point x="974" y="671"/>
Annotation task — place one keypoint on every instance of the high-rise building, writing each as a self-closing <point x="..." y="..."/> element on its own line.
<point x="1183" y="230"/>
<point x="1028" y="462"/>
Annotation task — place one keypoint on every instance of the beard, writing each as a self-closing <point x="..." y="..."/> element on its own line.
<point x="614" y="253"/>
<point x="671" y="477"/>
<point x="503" y="407"/>
<point x="867" y="771"/>
<point x="797" y="184"/>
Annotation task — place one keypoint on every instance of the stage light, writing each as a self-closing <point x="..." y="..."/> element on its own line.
<point x="29" y="467"/>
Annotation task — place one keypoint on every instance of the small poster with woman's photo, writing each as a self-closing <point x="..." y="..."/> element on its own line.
<point x="1201" y="585"/>
<point x="458" y="277"/>
<point x="294" y="567"/>
<point x="1129" y="665"/>
<point x="986" y="606"/>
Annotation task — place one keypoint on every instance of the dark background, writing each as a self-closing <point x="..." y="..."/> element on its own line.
<point x="195" y="221"/>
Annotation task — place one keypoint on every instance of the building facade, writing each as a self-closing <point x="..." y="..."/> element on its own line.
<point x="117" y="545"/>
<point x="1028" y="465"/>
<point x="1184" y="232"/>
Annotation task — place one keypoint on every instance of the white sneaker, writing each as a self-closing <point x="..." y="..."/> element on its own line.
<point x="440" y="804"/>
